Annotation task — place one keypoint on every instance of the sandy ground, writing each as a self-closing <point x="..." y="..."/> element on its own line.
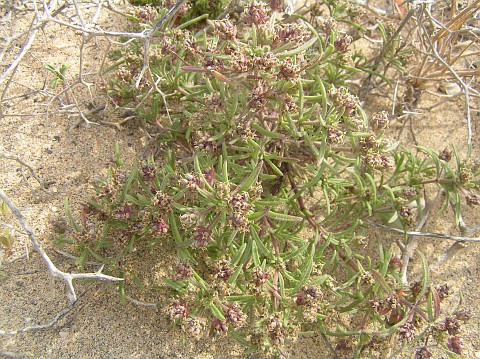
<point x="100" y="326"/>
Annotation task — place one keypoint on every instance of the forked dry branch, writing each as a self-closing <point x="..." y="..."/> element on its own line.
<point x="67" y="277"/>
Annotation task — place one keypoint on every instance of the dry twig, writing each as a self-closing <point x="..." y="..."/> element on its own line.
<point x="67" y="277"/>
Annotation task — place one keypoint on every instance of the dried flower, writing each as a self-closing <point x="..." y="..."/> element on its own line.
<point x="148" y="172"/>
<point x="328" y="25"/>
<point x="162" y="201"/>
<point x="423" y="353"/>
<point x="177" y="309"/>
<point x="379" y="121"/>
<point x="407" y="331"/>
<point x="267" y="62"/>
<point x="408" y="213"/>
<point x="191" y="181"/>
<point x="225" y="29"/>
<point x="125" y="212"/>
<point x="241" y="62"/>
<point x="161" y="228"/>
<point x="235" y="316"/>
<point x="367" y="278"/>
<point x="201" y="237"/>
<point x="343" y="43"/>
<point x="370" y="143"/>
<point x="182" y="270"/>
<point x="452" y="325"/>
<point x="334" y="135"/>
<point x="455" y="345"/>
<point x="219" y="328"/>
<point x="445" y="155"/>
<point x="276" y="330"/>
<point x="379" y="161"/>
<point x="222" y="269"/>
<point x="259" y="276"/>
<point x="292" y="33"/>
<point x="395" y="263"/>
<point x="145" y="14"/>
<point x="307" y="296"/>
<point x="239" y="203"/>
<point x="342" y="97"/>
<point x="288" y="70"/>
<point x="194" y="326"/>
<point x="473" y="200"/>
<point x="240" y="222"/>
<point x="289" y="104"/>
<point x="188" y="220"/>
<point x="443" y="291"/>
<point x="256" y="14"/>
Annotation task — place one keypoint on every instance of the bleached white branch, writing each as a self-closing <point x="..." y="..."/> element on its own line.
<point x="424" y="234"/>
<point x="67" y="277"/>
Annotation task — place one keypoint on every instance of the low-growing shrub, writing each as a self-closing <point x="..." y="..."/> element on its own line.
<point x="268" y="179"/>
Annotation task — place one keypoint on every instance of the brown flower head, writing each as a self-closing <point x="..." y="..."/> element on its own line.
<point x="473" y="200"/>
<point x="201" y="237"/>
<point x="455" y="345"/>
<point x="259" y="276"/>
<point x="235" y="316"/>
<point x="219" y="328"/>
<point x="379" y="121"/>
<point x="334" y="135"/>
<point x="182" y="270"/>
<point x="423" y="353"/>
<point x="292" y="33"/>
<point x="343" y="43"/>
<point x="222" y="269"/>
<point x="452" y="325"/>
<point x="288" y="70"/>
<point x="256" y="14"/>
<point x="161" y="228"/>
<point x="225" y="29"/>
<point x="177" y="309"/>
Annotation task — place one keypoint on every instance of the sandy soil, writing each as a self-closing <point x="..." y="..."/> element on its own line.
<point x="100" y="326"/>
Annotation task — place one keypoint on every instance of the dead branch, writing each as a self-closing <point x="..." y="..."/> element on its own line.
<point x="48" y="325"/>
<point x="67" y="277"/>
<point x="19" y="160"/>
<point x="424" y="234"/>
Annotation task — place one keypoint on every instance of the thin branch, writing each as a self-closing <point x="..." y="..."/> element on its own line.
<point x="19" y="160"/>
<point x="455" y="75"/>
<point x="424" y="234"/>
<point x="48" y="325"/>
<point x="67" y="277"/>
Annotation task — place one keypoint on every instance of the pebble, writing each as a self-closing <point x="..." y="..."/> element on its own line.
<point x="63" y="335"/>
<point x="450" y="88"/>
<point x="477" y="355"/>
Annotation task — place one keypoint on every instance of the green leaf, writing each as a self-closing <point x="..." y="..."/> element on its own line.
<point x="265" y="132"/>
<point x="425" y="276"/>
<point x="299" y="49"/>
<point x="217" y="313"/>
<point x="74" y="224"/>
<point x="307" y="266"/>
<point x="248" y="182"/>
<point x="255" y="256"/>
<point x="121" y="287"/>
<point x="283" y="217"/>
<point x="174" y="285"/>
<point x="238" y="254"/>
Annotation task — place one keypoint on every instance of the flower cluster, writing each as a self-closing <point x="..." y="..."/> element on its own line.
<point x="240" y="208"/>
